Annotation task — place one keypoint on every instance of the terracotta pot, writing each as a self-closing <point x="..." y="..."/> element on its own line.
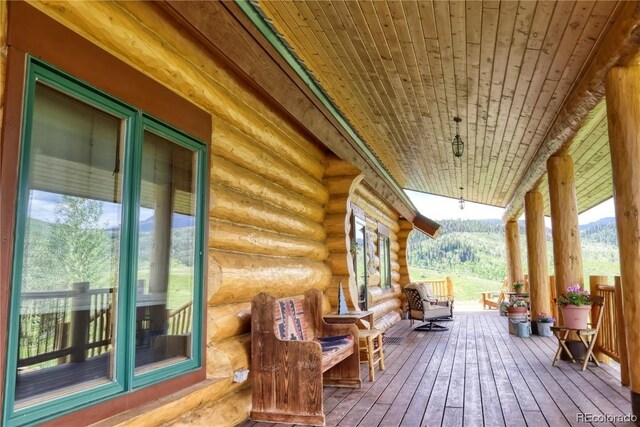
<point x="576" y="316"/>
<point x="514" y="310"/>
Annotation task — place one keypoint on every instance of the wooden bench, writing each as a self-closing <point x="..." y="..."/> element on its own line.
<point x="493" y="299"/>
<point x="293" y="354"/>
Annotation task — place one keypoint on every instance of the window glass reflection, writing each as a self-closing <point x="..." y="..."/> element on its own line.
<point x="166" y="244"/>
<point x="71" y="249"/>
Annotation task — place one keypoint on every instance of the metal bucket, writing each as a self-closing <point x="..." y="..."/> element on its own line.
<point x="524" y="329"/>
<point x="513" y="320"/>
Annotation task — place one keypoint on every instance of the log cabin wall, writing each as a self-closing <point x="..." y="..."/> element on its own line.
<point x="341" y="179"/>
<point x="266" y="198"/>
<point x="385" y="303"/>
<point x="406" y="227"/>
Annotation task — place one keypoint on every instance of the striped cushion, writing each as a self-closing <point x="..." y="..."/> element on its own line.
<point x="335" y="349"/>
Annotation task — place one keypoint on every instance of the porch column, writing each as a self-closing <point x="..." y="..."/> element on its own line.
<point x="622" y="88"/>
<point x="567" y="255"/>
<point x="539" y="292"/>
<point x="514" y="260"/>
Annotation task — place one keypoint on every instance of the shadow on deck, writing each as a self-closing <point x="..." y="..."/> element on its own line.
<point x="475" y="374"/>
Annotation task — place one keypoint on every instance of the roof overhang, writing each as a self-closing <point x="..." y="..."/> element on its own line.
<point x="426" y="225"/>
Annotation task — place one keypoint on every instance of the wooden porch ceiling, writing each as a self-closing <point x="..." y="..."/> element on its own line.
<point x="400" y="72"/>
<point x="592" y="162"/>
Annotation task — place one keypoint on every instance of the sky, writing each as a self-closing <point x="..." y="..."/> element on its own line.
<point x="43" y="206"/>
<point x="439" y="208"/>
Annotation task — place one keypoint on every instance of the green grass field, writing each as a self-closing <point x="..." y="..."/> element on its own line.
<point x="180" y="283"/>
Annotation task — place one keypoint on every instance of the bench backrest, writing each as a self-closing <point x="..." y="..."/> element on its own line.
<point x="291" y="322"/>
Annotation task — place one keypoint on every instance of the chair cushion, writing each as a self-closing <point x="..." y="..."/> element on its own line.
<point x="291" y="324"/>
<point x="436" y="311"/>
<point x="335" y="349"/>
<point x="424" y="289"/>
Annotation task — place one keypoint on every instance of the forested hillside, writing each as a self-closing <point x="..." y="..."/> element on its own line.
<point x="474" y="251"/>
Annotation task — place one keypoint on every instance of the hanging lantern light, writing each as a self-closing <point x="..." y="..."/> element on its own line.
<point x="457" y="144"/>
<point x="461" y="201"/>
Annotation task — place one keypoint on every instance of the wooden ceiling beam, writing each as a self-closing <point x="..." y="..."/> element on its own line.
<point x="620" y="46"/>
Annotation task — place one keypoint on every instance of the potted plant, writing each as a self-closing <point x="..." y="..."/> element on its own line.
<point x="517" y="313"/>
<point x="575" y="305"/>
<point x="503" y="308"/>
<point x="545" y="322"/>
<point x="517" y="307"/>
<point x="518" y="287"/>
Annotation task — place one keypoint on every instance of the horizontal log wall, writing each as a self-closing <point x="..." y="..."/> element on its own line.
<point x="341" y="179"/>
<point x="406" y="227"/>
<point x="385" y="303"/>
<point x="267" y="198"/>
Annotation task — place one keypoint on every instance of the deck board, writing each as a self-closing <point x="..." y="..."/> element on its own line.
<point x="474" y="374"/>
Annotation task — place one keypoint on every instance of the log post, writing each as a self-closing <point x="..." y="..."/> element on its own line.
<point x="449" y="282"/>
<point x="594" y="281"/>
<point x="567" y="255"/>
<point x="553" y="294"/>
<point x="159" y="270"/>
<point x="80" y="314"/>
<point x="537" y="255"/>
<point x="514" y="260"/>
<point x="622" y="334"/>
<point x="622" y="88"/>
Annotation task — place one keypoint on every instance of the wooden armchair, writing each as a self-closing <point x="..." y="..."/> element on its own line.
<point x="293" y="354"/>
<point x="493" y="299"/>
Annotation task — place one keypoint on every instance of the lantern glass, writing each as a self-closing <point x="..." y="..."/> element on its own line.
<point x="461" y="202"/>
<point x="458" y="146"/>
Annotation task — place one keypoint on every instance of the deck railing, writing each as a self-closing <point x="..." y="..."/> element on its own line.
<point x="75" y="325"/>
<point x="611" y="337"/>
<point x="442" y="288"/>
<point x="45" y="319"/>
<point x="180" y="320"/>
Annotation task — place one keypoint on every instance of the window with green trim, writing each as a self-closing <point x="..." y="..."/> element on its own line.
<point x="107" y="273"/>
<point x="359" y="255"/>
<point x="385" y="261"/>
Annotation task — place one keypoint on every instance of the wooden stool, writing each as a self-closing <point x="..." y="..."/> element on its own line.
<point x="368" y="353"/>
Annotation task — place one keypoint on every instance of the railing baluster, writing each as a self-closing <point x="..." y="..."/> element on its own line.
<point x="621" y="337"/>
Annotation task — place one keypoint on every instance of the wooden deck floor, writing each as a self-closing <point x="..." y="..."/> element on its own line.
<point x="475" y="374"/>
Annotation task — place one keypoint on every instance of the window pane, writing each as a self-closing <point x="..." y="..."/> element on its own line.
<point x="165" y="253"/>
<point x="361" y="260"/>
<point x="71" y="249"/>
<point x="385" y="261"/>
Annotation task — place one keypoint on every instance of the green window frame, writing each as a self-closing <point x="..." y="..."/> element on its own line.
<point x="360" y="259"/>
<point x="384" y="254"/>
<point x="124" y="378"/>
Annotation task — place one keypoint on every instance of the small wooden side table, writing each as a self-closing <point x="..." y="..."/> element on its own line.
<point x="350" y="317"/>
